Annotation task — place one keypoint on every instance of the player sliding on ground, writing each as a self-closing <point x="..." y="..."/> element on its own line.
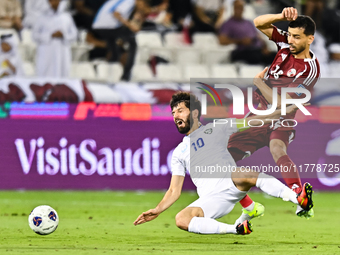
<point x="219" y="191"/>
<point x="295" y="65"/>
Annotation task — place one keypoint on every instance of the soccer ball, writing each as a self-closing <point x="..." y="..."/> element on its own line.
<point x="43" y="220"/>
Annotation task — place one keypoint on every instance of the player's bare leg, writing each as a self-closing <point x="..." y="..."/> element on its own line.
<point x="192" y="219"/>
<point x="270" y="185"/>
<point x="184" y="217"/>
<point x="250" y="208"/>
<point x="278" y="149"/>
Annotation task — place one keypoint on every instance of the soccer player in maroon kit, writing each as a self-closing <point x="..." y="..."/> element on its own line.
<point x="294" y="66"/>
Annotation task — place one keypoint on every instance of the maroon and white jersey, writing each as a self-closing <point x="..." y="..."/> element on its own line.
<point x="287" y="71"/>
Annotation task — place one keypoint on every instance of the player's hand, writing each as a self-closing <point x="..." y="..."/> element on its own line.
<point x="289" y="13"/>
<point x="259" y="77"/>
<point x="146" y="216"/>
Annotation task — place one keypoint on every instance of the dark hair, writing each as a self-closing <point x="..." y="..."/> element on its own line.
<point x="5" y="36"/>
<point x="188" y="99"/>
<point x="305" y="22"/>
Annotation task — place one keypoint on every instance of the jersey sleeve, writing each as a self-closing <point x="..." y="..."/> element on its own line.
<point x="177" y="164"/>
<point x="228" y="126"/>
<point x="279" y="36"/>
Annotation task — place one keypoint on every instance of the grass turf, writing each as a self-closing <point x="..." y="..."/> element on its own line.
<point x="101" y="223"/>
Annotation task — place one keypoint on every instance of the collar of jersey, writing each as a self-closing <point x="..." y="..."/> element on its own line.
<point x="194" y="131"/>
<point x="310" y="59"/>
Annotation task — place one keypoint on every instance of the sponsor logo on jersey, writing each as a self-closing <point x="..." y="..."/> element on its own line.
<point x="208" y="131"/>
<point x="291" y="72"/>
<point x="300" y="86"/>
<point x="184" y="148"/>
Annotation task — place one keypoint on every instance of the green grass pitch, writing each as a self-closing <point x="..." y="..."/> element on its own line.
<point x="101" y="223"/>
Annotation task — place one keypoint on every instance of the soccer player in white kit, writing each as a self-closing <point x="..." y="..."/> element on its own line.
<point x="220" y="188"/>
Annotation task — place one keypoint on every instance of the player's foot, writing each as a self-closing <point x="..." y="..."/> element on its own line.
<point x="305" y="197"/>
<point x="244" y="228"/>
<point x="258" y="211"/>
<point x="305" y="214"/>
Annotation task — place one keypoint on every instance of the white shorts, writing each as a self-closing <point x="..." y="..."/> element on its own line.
<point x="219" y="204"/>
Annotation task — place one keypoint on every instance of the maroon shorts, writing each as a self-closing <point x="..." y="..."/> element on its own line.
<point x="245" y="143"/>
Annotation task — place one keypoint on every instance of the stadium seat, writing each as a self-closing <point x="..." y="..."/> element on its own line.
<point x="110" y="73"/>
<point x="205" y="40"/>
<point x="249" y="71"/>
<point x="83" y="70"/>
<point x="27" y="47"/>
<point x="29" y="69"/>
<point x="148" y="39"/>
<point x="169" y="73"/>
<point x="224" y="71"/>
<point x="188" y="55"/>
<point x="80" y="52"/>
<point x="24" y="53"/>
<point x="134" y="93"/>
<point x="270" y="44"/>
<point x="174" y="40"/>
<point x="218" y="55"/>
<point x="142" y="72"/>
<point x="150" y="44"/>
<point x="195" y="71"/>
<point x="82" y="33"/>
<point x="103" y="93"/>
<point x="26" y="35"/>
<point x="249" y="12"/>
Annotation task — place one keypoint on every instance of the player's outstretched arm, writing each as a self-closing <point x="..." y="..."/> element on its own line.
<point x="266" y="91"/>
<point x="264" y="22"/>
<point x="169" y="198"/>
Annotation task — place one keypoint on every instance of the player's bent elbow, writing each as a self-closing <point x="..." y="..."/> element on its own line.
<point x="256" y="23"/>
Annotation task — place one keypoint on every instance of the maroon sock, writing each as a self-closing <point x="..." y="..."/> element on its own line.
<point x="246" y="201"/>
<point x="291" y="177"/>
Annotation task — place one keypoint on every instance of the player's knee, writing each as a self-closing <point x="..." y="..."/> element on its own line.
<point x="181" y="221"/>
<point x="277" y="151"/>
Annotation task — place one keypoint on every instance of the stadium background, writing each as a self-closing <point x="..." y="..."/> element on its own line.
<point x="117" y="135"/>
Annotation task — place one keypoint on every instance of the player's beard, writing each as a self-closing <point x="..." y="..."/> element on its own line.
<point x="297" y="50"/>
<point x="187" y="125"/>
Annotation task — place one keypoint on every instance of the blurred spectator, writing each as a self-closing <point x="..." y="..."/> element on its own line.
<point x="33" y="9"/>
<point x="117" y="22"/>
<point x="250" y="47"/>
<point x="155" y="14"/>
<point x="327" y="20"/>
<point x="315" y="10"/>
<point x="54" y="32"/>
<point x="207" y="15"/>
<point x="100" y="49"/>
<point x="334" y="64"/>
<point x="10" y="14"/>
<point x="178" y="10"/>
<point x="319" y="48"/>
<point x="10" y="60"/>
<point x="85" y="11"/>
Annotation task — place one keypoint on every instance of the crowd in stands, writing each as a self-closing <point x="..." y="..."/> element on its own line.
<point x="64" y="37"/>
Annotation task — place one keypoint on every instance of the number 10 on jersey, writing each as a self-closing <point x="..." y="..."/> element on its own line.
<point x="199" y="144"/>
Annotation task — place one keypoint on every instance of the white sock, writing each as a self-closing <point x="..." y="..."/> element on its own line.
<point x="250" y="207"/>
<point x="201" y="225"/>
<point x="275" y="188"/>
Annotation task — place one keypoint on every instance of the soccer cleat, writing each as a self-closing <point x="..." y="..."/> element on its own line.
<point x="304" y="198"/>
<point x="244" y="228"/>
<point x="306" y="214"/>
<point x="258" y="211"/>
